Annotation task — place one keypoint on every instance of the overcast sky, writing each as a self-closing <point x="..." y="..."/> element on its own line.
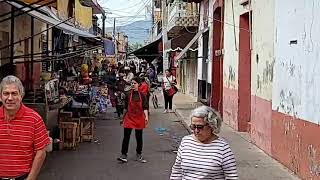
<point x="125" y="11"/>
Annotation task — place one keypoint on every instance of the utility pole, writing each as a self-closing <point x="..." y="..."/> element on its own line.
<point x="115" y="40"/>
<point x="103" y="24"/>
<point x="152" y="11"/>
<point x="152" y="16"/>
<point x="164" y="36"/>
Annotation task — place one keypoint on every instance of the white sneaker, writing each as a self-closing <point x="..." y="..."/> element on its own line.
<point x="140" y="159"/>
<point x="171" y="111"/>
<point x="165" y="111"/>
<point x="122" y="158"/>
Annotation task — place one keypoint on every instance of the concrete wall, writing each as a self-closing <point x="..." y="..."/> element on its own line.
<point x="296" y="98"/>
<point x="262" y="64"/>
<point x="24" y="22"/>
<point x="232" y="12"/>
<point x="262" y="61"/>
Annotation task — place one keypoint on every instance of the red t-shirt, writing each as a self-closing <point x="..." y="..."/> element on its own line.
<point x="20" y="138"/>
<point x="144" y="88"/>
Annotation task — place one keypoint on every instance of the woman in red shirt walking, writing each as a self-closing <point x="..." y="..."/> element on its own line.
<point x="135" y="117"/>
<point x="144" y="88"/>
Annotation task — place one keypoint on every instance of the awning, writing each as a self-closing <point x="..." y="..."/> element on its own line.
<point x="180" y="42"/>
<point x="193" y="40"/>
<point x="97" y="9"/>
<point x="150" y="51"/>
<point x="44" y="18"/>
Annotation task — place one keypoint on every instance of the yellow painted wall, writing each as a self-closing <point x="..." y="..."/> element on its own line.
<point x="83" y="16"/>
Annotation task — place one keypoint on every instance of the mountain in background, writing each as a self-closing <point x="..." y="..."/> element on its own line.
<point x="137" y="31"/>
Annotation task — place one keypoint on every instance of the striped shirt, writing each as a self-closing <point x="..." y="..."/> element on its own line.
<point x="204" y="161"/>
<point x="20" y="138"/>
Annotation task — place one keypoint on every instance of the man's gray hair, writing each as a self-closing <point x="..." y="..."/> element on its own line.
<point x="12" y="80"/>
<point x="210" y="116"/>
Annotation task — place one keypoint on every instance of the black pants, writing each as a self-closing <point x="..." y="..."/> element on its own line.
<point x="126" y="140"/>
<point x="119" y="109"/>
<point x="167" y="101"/>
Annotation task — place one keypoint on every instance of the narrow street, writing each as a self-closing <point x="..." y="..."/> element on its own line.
<point x="97" y="160"/>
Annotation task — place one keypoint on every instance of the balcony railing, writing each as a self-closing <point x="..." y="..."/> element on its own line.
<point x="182" y="14"/>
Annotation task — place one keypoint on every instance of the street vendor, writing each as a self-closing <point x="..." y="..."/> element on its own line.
<point x="136" y="117"/>
<point x="23" y="136"/>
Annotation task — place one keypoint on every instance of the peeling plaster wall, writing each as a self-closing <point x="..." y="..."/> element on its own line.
<point x="296" y="84"/>
<point x="231" y="44"/>
<point x="262" y="65"/>
<point x="262" y="61"/>
<point x="232" y="13"/>
<point x="297" y="76"/>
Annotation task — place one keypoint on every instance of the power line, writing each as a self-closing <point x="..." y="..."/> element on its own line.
<point x="138" y="12"/>
<point x="124" y="8"/>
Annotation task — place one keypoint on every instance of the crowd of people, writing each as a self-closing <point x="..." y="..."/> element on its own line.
<point x="201" y="155"/>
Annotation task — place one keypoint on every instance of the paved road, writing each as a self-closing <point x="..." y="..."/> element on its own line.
<point x="97" y="161"/>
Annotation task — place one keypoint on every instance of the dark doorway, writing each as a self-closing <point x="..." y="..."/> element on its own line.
<point x="203" y="88"/>
<point x="244" y="91"/>
<point x="217" y="62"/>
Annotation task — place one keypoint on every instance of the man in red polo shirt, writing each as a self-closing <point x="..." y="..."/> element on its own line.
<point x="23" y="135"/>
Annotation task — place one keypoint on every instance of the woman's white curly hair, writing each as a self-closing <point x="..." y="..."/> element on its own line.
<point x="210" y="116"/>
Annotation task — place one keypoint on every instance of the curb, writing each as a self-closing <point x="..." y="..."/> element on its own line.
<point x="181" y="119"/>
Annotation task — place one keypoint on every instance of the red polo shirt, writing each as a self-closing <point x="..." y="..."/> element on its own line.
<point x="20" y="138"/>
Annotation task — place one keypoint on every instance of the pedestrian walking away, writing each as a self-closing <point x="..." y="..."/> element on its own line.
<point x="23" y="135"/>
<point x="204" y="155"/>
<point x="169" y="89"/>
<point x="135" y="117"/>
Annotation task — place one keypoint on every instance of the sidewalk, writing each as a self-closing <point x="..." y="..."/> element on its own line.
<point x="253" y="163"/>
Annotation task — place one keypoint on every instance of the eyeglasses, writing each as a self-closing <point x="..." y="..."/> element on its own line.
<point x="197" y="126"/>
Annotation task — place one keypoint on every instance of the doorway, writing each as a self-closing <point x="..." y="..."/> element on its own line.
<point x="217" y="63"/>
<point x="203" y="88"/>
<point x="244" y="91"/>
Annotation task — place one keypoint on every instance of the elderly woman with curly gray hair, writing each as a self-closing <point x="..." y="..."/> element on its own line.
<point x="203" y="154"/>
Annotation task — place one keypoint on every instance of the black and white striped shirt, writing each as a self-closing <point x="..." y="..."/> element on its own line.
<point x="204" y="161"/>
